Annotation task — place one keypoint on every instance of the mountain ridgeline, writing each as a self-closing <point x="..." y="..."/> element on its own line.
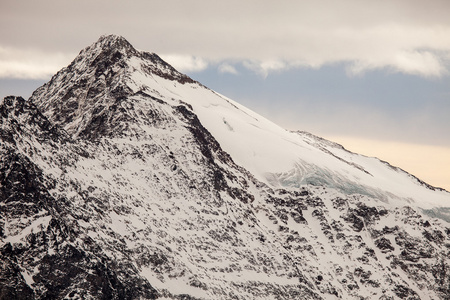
<point x="122" y="178"/>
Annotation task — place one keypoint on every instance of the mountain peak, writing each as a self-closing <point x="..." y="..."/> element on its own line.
<point x="107" y="38"/>
<point x="113" y="42"/>
<point x="108" y="50"/>
<point x="90" y="91"/>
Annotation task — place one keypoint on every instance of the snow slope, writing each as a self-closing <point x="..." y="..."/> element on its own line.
<point x="281" y="158"/>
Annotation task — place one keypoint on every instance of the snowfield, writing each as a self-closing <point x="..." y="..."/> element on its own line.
<point x="281" y="158"/>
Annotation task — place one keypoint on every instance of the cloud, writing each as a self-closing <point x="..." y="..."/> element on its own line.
<point x="421" y="63"/>
<point x="270" y="36"/>
<point x="227" y="68"/>
<point x="186" y="63"/>
<point x="263" y="68"/>
<point x="31" y="64"/>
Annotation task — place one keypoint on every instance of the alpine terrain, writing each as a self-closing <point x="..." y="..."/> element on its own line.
<point x="122" y="178"/>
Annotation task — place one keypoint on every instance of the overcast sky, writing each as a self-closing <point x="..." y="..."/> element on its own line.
<point x="373" y="75"/>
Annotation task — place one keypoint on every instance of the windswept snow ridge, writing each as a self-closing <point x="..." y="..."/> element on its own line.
<point x="122" y="178"/>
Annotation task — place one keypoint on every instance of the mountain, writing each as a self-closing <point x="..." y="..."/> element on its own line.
<point x="122" y="178"/>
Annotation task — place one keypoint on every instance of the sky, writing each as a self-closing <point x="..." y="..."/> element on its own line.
<point x="373" y="76"/>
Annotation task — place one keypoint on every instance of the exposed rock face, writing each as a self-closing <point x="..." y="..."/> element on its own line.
<point x="110" y="189"/>
<point x="89" y="98"/>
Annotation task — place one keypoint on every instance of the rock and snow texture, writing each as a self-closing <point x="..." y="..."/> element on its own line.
<point x="122" y="178"/>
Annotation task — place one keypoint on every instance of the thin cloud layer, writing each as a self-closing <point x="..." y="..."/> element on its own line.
<point x="30" y="64"/>
<point x="410" y="37"/>
<point x="227" y="68"/>
<point x="186" y="63"/>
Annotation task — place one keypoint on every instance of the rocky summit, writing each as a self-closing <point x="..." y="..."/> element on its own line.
<point x="122" y="178"/>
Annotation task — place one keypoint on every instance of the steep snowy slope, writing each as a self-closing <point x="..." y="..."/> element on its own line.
<point x="273" y="155"/>
<point x="122" y="178"/>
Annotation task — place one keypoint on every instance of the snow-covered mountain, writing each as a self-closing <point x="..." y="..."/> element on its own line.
<point x="122" y="178"/>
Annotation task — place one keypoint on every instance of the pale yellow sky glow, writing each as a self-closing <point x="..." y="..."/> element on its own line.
<point x="427" y="162"/>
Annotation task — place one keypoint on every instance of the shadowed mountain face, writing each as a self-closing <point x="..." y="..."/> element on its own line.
<point x="122" y="178"/>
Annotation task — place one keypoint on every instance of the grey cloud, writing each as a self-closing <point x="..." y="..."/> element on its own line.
<point x="375" y="34"/>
